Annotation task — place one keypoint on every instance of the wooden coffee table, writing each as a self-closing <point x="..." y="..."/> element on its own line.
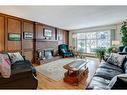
<point x="76" y="71"/>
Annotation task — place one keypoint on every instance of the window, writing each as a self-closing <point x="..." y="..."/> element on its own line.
<point x="87" y="42"/>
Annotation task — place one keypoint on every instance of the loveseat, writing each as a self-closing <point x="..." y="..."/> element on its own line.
<point x="109" y="76"/>
<point x="23" y="76"/>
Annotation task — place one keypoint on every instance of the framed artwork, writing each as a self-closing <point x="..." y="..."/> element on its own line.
<point x="14" y="36"/>
<point x="28" y="35"/>
<point x="47" y="32"/>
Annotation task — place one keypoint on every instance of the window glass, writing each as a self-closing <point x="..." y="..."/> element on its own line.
<point x="87" y="42"/>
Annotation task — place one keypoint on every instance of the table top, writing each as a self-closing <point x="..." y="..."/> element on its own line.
<point x="75" y="65"/>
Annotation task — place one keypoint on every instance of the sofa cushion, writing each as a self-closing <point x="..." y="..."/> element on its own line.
<point x="111" y="66"/>
<point x="98" y="83"/>
<point x="107" y="73"/>
<point x="5" y="67"/>
<point x="25" y="63"/>
<point x="116" y="59"/>
<point x="15" y="57"/>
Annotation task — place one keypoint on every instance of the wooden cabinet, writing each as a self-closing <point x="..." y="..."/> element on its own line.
<point x="2" y="32"/>
<point x="28" y="44"/>
<point x="13" y="26"/>
<point x="27" y="27"/>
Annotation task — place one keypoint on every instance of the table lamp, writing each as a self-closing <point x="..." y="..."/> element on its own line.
<point x="115" y="44"/>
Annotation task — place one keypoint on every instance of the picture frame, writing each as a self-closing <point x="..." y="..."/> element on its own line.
<point x="14" y="36"/>
<point x="47" y="32"/>
<point x="28" y="35"/>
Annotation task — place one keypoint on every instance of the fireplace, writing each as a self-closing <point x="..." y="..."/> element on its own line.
<point x="46" y="53"/>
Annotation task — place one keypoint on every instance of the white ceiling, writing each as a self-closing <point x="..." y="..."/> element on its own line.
<point x="69" y="17"/>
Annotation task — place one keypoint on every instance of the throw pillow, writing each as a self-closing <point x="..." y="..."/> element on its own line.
<point x="15" y="57"/>
<point x="118" y="82"/>
<point x="5" y="66"/>
<point x="116" y="59"/>
<point x="63" y="50"/>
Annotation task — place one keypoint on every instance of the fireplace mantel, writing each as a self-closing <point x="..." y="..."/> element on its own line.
<point x="44" y="40"/>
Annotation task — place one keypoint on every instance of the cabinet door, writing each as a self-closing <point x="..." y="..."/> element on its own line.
<point x="13" y="26"/>
<point x="2" y="45"/>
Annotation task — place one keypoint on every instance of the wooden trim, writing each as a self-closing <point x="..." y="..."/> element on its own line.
<point x="30" y="49"/>
<point x="6" y="33"/>
<point x="20" y="29"/>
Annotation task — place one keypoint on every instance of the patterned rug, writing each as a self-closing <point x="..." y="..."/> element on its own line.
<point x="54" y="70"/>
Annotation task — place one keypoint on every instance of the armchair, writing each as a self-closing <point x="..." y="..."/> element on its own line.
<point x="122" y="50"/>
<point x="64" y="50"/>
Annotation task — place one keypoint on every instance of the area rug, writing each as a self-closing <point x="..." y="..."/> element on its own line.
<point x="54" y="70"/>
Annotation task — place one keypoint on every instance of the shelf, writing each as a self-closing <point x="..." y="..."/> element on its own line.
<point x="44" y="40"/>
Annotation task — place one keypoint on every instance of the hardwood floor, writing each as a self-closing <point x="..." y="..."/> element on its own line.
<point x="47" y="83"/>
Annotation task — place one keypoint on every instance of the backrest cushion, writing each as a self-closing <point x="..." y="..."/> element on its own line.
<point x="15" y="57"/>
<point x="116" y="59"/>
<point x="5" y="66"/>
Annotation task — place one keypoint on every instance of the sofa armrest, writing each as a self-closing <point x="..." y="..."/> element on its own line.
<point x="118" y="82"/>
<point x="123" y="53"/>
<point x="24" y="57"/>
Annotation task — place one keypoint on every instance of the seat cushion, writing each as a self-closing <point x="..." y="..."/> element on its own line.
<point x="98" y="83"/>
<point x="17" y="72"/>
<point x="107" y="73"/>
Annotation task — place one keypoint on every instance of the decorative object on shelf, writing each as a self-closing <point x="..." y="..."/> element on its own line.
<point x="28" y="35"/>
<point x="123" y="32"/>
<point x="47" y="32"/>
<point x="100" y="52"/>
<point x="14" y="36"/>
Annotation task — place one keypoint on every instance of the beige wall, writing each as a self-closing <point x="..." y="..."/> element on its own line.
<point x="115" y="27"/>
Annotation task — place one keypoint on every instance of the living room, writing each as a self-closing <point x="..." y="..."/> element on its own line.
<point x="41" y="50"/>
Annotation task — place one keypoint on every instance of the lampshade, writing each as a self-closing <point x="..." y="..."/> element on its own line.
<point x="115" y="43"/>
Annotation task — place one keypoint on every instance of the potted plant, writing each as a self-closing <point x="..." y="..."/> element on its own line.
<point x="100" y="52"/>
<point x="123" y="31"/>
